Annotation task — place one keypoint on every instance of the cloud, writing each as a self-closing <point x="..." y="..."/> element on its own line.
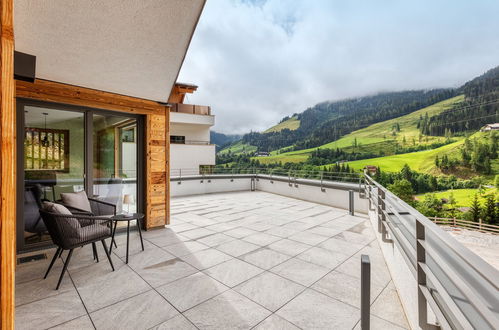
<point x="257" y="61"/>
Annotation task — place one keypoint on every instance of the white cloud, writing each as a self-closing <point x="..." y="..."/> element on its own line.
<point x="258" y="61"/>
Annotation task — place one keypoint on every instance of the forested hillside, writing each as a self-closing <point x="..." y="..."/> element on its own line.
<point x="480" y="106"/>
<point x="329" y="121"/>
<point x="221" y="140"/>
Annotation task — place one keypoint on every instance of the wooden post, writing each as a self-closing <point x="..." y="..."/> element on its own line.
<point x="7" y="167"/>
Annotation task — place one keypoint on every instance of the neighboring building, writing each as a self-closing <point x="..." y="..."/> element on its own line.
<point x="190" y="147"/>
<point x="262" y="154"/>
<point x="490" y="127"/>
<point x="371" y="169"/>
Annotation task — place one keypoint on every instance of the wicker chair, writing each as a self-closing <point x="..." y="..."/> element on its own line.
<point x="69" y="231"/>
<point x="94" y="206"/>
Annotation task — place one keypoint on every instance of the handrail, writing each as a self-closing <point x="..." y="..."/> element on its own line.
<point x="461" y="288"/>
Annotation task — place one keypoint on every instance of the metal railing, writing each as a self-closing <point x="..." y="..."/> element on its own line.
<point x="465" y="224"/>
<point x="292" y="175"/>
<point x="192" y="142"/>
<point x="460" y="287"/>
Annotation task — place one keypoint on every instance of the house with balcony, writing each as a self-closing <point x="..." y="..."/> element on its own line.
<point x="96" y="234"/>
<point x="190" y="147"/>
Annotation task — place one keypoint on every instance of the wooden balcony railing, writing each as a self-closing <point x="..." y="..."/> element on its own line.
<point x="191" y="108"/>
<point x="478" y="226"/>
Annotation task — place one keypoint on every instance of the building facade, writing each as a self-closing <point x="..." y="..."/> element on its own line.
<point x="83" y="107"/>
<point x="190" y="149"/>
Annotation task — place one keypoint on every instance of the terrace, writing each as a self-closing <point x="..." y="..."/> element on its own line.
<point x="229" y="260"/>
<point x="266" y="251"/>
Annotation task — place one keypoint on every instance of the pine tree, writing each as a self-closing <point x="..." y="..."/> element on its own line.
<point x="489" y="210"/>
<point x="475" y="209"/>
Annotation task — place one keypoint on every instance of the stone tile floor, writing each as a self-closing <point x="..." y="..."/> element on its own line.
<point x="246" y="260"/>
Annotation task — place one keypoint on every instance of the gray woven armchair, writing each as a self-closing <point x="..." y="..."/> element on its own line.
<point x="69" y="231"/>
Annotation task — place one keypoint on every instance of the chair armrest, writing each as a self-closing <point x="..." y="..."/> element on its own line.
<point x="100" y="207"/>
<point x="101" y="202"/>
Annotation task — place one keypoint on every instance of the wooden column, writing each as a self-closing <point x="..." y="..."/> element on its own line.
<point x="7" y="167"/>
<point x="158" y="175"/>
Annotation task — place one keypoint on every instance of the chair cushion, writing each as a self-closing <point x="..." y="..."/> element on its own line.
<point x="68" y="226"/>
<point x="78" y="200"/>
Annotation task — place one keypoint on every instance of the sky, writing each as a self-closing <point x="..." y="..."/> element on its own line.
<point x="257" y="61"/>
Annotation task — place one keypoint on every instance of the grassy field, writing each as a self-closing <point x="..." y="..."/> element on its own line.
<point x="273" y="159"/>
<point x="238" y="148"/>
<point x="421" y="161"/>
<point x="463" y="197"/>
<point x="382" y="132"/>
<point x="291" y="124"/>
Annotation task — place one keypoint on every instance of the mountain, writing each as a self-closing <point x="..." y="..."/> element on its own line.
<point x="382" y="138"/>
<point x="222" y="140"/>
<point x="329" y="121"/>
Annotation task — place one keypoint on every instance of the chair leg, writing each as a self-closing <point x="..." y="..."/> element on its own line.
<point x="56" y="254"/>
<point x="104" y="245"/>
<point x="96" y="255"/>
<point x="68" y="259"/>
<point x="113" y="242"/>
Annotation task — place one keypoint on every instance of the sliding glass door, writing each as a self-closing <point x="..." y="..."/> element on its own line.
<point x="115" y="161"/>
<point x="53" y="152"/>
<point x="70" y="149"/>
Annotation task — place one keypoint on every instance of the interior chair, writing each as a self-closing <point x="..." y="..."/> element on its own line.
<point x="68" y="233"/>
<point x="32" y="203"/>
<point x="114" y="192"/>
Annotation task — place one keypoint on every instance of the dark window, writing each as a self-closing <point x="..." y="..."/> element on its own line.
<point x="177" y="139"/>
<point x="46" y="149"/>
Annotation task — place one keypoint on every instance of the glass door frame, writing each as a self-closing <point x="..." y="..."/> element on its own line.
<point x="88" y="113"/>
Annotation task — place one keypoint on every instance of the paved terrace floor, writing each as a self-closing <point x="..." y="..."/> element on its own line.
<point x="249" y="260"/>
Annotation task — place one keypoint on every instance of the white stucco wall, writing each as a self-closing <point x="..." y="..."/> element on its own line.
<point x="188" y="157"/>
<point x="192" y="132"/>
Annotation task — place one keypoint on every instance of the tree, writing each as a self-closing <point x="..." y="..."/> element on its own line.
<point x="496" y="181"/>
<point x="474" y="212"/>
<point x="403" y="189"/>
<point x="489" y="213"/>
<point x="452" y="205"/>
<point x="431" y="206"/>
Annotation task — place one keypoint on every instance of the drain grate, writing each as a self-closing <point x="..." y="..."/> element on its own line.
<point x="34" y="257"/>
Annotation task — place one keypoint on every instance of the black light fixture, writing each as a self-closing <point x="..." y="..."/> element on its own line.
<point x="45" y="140"/>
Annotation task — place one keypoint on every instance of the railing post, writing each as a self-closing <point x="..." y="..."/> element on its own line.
<point x="479" y="223"/>
<point x="365" y="292"/>
<point x="381" y="209"/>
<point x="350" y="202"/>
<point x="322" y="181"/>
<point x="421" y="275"/>
<point x="454" y="221"/>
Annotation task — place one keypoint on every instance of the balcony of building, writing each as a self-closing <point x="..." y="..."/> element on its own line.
<point x="267" y="250"/>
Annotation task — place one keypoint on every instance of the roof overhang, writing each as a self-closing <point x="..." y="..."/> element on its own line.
<point x="132" y="47"/>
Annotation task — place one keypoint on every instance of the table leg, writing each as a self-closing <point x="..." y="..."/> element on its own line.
<point x="140" y="233"/>
<point x="112" y="239"/>
<point x="127" y="239"/>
